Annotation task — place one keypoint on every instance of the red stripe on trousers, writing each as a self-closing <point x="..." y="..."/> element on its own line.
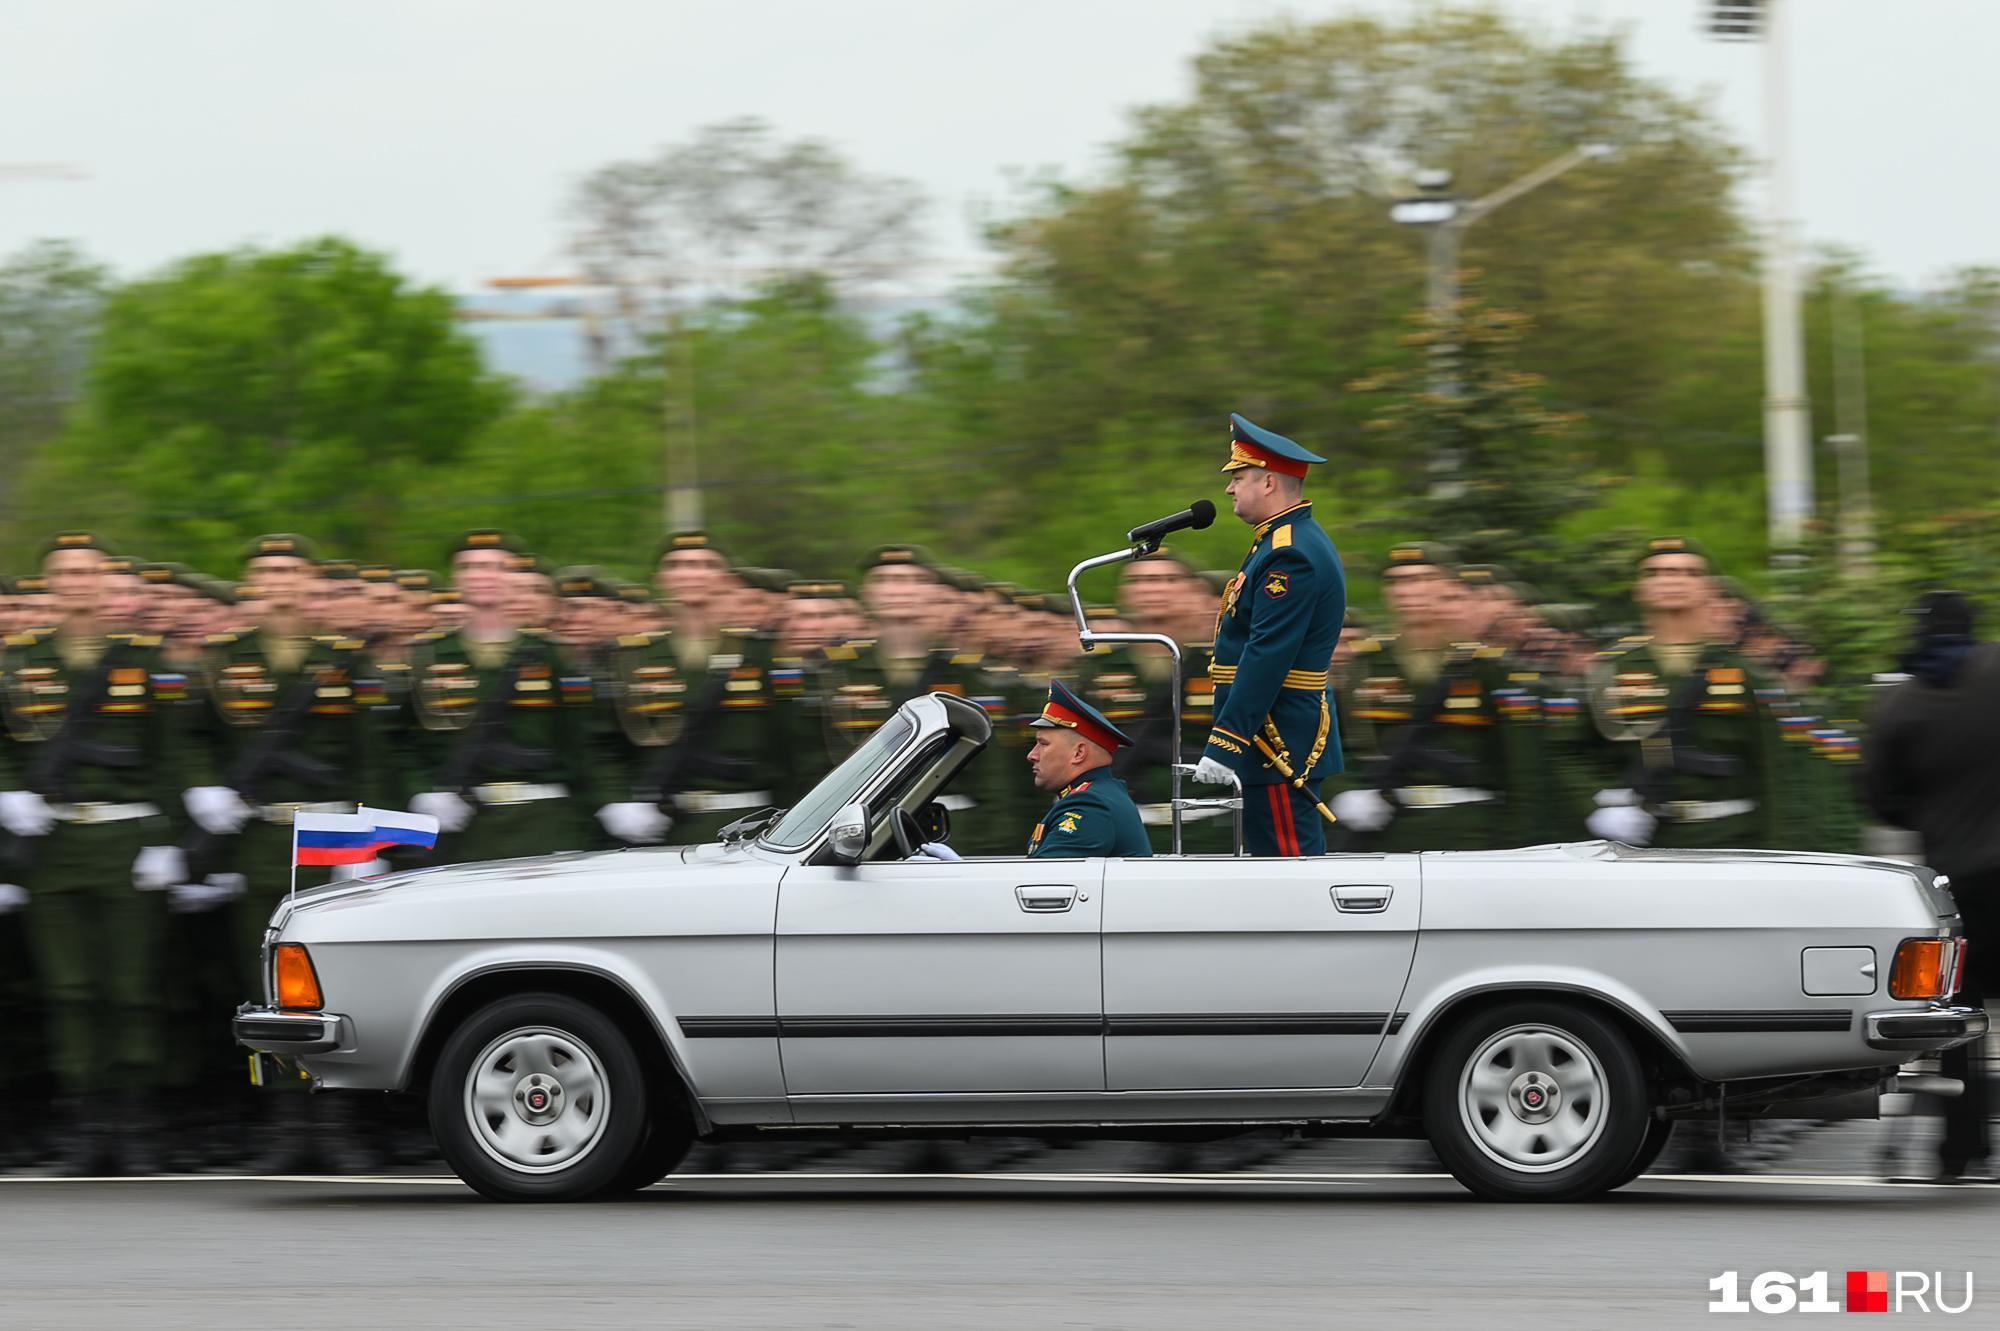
<point x="1281" y="821"/>
<point x="1292" y="824"/>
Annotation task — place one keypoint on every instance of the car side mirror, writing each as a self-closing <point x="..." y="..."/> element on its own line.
<point x="847" y="836"/>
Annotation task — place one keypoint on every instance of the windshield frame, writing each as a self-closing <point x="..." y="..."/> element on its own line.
<point x="853" y="779"/>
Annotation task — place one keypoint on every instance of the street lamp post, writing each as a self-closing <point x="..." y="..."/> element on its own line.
<point x="1448" y="219"/>
<point x="1788" y="476"/>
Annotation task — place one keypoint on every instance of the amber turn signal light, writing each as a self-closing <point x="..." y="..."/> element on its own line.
<point x="1919" y="970"/>
<point x="294" y="982"/>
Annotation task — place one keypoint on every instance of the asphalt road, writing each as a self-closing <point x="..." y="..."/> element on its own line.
<point x="1021" y="1251"/>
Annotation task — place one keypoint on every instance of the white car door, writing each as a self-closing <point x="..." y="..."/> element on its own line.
<point x="1224" y="974"/>
<point x="922" y="978"/>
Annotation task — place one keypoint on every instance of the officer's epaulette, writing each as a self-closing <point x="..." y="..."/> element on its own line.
<point x="338" y="643"/>
<point x="841" y="651"/>
<point x="968" y="658"/>
<point x="431" y="635"/>
<point x="387" y="667"/>
<point x="1626" y="644"/>
<point x="1373" y="644"/>
<point x="1282" y="538"/>
<point x="635" y="640"/>
<point x="224" y="639"/>
<point x="1484" y="653"/>
<point x="134" y="639"/>
<point x="29" y="638"/>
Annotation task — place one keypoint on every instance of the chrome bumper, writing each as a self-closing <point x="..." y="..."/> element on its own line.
<point x="269" y="1031"/>
<point x="1924" y="1028"/>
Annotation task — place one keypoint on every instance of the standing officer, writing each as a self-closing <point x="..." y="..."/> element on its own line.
<point x="500" y="737"/>
<point x="694" y="705"/>
<point x="1443" y="729"/>
<point x="1274" y="733"/>
<point x="1093" y="813"/>
<point x="1693" y="758"/>
<point x="90" y="780"/>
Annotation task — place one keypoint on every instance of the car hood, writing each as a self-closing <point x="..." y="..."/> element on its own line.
<point x="546" y="870"/>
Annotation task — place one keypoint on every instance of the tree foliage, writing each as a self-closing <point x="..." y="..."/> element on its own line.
<point x="307" y="388"/>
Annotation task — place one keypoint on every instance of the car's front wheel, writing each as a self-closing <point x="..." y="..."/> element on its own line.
<point x="1537" y="1101"/>
<point x="538" y="1097"/>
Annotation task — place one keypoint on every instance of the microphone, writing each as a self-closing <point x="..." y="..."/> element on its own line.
<point x="1197" y="515"/>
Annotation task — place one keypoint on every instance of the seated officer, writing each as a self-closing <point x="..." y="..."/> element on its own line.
<point x="1093" y="813"/>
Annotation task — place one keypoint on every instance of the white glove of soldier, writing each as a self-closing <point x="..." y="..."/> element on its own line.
<point x="451" y="812"/>
<point x="193" y="898"/>
<point x="12" y="897"/>
<point x="219" y="810"/>
<point x="1363" y="810"/>
<point x="936" y="850"/>
<point x="24" y="813"/>
<point x="636" y="822"/>
<point x="158" y="867"/>
<point x="1622" y="822"/>
<point x="1212" y="773"/>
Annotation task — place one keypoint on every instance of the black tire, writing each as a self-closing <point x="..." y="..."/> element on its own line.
<point x="668" y="1141"/>
<point x="1658" y="1132"/>
<point x="612" y="1116"/>
<point x="1524" y="1053"/>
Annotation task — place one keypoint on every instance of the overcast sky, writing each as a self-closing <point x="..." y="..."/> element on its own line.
<point x="449" y="132"/>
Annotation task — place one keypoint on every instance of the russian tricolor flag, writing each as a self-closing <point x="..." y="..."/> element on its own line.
<point x="356" y="838"/>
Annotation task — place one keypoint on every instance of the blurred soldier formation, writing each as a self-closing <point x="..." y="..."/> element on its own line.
<point x="163" y="728"/>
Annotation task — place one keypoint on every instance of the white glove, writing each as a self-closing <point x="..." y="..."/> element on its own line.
<point x="219" y="810"/>
<point x="451" y="812"/>
<point x="936" y="850"/>
<point x="158" y="867"/>
<point x="636" y="822"/>
<point x="24" y="813"/>
<point x="1363" y="810"/>
<point x="193" y="898"/>
<point x="12" y="897"/>
<point x="1212" y="773"/>
<point x="1622" y="822"/>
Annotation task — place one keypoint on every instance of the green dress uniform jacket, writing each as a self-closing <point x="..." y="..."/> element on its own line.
<point x="1274" y="640"/>
<point x="714" y="727"/>
<point x="1701" y="749"/>
<point x="331" y="764"/>
<point x="1093" y="816"/>
<point x="94" y="937"/>
<point x="1143" y="766"/>
<point x="1461" y="756"/>
<point x="512" y="739"/>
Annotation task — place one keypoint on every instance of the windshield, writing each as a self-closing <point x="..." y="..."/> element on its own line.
<point x="840" y="786"/>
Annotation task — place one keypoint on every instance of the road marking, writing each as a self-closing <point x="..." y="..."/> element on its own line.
<point x="1150" y="1180"/>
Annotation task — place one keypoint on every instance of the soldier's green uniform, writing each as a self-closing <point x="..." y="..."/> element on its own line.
<point x="1452" y="739"/>
<point x="1143" y="766"/>
<point x="503" y="726"/>
<point x="94" y="937"/>
<point x="702" y="735"/>
<point x="1684" y="728"/>
<point x="322" y="690"/>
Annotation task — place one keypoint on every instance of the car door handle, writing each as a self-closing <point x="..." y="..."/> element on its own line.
<point x="1046" y="898"/>
<point x="1362" y="898"/>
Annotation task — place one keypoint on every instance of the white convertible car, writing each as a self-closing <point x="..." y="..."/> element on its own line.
<point x="1542" y="1016"/>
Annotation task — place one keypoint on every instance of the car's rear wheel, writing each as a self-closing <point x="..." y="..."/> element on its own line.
<point x="1536" y="1101"/>
<point x="539" y="1097"/>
